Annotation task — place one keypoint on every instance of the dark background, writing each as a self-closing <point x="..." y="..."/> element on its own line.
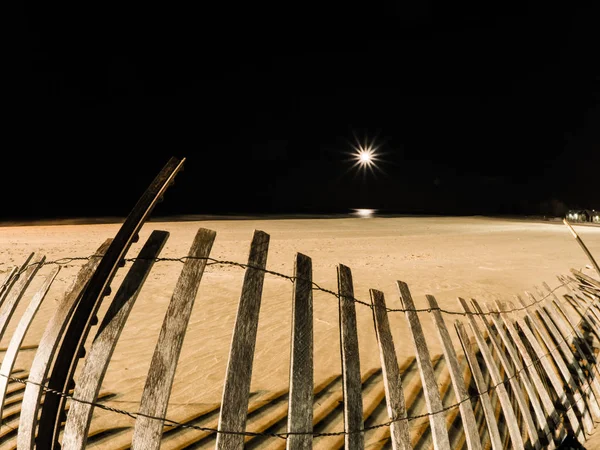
<point x="477" y="107"/>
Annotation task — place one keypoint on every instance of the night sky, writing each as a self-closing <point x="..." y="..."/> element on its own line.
<point x="476" y="107"/>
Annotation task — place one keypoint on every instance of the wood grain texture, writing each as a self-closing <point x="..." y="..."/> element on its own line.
<point x="392" y="381"/>
<point x="497" y="380"/>
<point x="437" y="418"/>
<point x="566" y="400"/>
<point x="236" y="391"/>
<point x="529" y="377"/>
<point x="568" y="378"/>
<point x="300" y="404"/>
<point x="353" y="402"/>
<point x="18" y="335"/>
<point x="92" y="374"/>
<point x="47" y="347"/>
<point x="8" y="281"/>
<point x="511" y="370"/>
<point x="561" y="333"/>
<point x="470" y="427"/>
<point x="84" y="317"/>
<point x="147" y="432"/>
<point x="13" y="296"/>
<point x="482" y="387"/>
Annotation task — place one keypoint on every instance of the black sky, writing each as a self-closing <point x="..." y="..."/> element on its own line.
<point x="479" y="108"/>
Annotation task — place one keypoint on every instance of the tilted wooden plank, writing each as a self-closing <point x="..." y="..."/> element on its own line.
<point x="300" y="404"/>
<point x="525" y="375"/>
<point x="562" y="367"/>
<point x="392" y="381"/>
<point x="234" y="404"/>
<point x="503" y="397"/>
<point x="482" y="387"/>
<point x="514" y="374"/>
<point x="47" y="347"/>
<point x="570" y="405"/>
<point x="14" y="296"/>
<point x="353" y="402"/>
<point x="92" y="374"/>
<point x="582" y="276"/>
<point x="71" y="349"/>
<point x="437" y="418"/>
<point x="157" y="390"/>
<point x="18" y="335"/>
<point x="548" y="404"/>
<point x="561" y="331"/>
<point x="584" y="315"/>
<point x="458" y="383"/>
<point x="8" y="281"/>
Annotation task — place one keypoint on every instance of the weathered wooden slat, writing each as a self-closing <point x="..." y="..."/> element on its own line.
<point x="392" y="381"/>
<point x="472" y="437"/>
<point x="353" y="402"/>
<point x="583" y="246"/>
<point x="300" y="404"/>
<point x="543" y="393"/>
<point x="507" y="408"/>
<point x="437" y="418"/>
<point x="562" y="367"/>
<point x="569" y="404"/>
<point x="10" y="278"/>
<point x="234" y="404"/>
<point x="560" y="330"/>
<point x="15" y="275"/>
<point x="584" y="315"/>
<point x="528" y="375"/>
<point x="16" y="293"/>
<point x="482" y="387"/>
<point x="157" y="390"/>
<point x="18" y="335"/>
<point x="512" y="371"/>
<point x="47" y="347"/>
<point x="71" y="348"/>
<point x="92" y="374"/>
<point x="583" y="277"/>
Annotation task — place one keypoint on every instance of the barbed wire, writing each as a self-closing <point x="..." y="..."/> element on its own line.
<point x="176" y="424"/>
<point x="316" y="287"/>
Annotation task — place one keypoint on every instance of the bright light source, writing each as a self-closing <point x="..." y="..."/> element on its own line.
<point x="365" y="212"/>
<point x="364" y="157"/>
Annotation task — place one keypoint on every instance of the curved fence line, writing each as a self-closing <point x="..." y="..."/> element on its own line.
<point x="174" y="423"/>
<point x="316" y="287"/>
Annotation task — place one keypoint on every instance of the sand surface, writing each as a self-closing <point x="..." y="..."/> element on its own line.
<point x="470" y="257"/>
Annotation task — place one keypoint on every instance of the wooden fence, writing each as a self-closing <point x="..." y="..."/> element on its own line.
<point x="525" y="375"/>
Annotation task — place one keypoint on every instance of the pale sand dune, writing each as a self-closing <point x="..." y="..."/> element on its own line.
<point x="478" y="258"/>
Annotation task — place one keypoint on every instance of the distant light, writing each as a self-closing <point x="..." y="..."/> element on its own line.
<point x="365" y="213"/>
<point x="365" y="157"/>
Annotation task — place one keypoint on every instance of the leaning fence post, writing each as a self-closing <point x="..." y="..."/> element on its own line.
<point x="435" y="408"/>
<point x="503" y="397"/>
<point x="392" y="382"/>
<point x="458" y="383"/>
<point x="583" y="247"/>
<point x="353" y="404"/>
<point x="482" y="387"/>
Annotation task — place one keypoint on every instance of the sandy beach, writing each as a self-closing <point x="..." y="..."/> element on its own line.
<point x="447" y="257"/>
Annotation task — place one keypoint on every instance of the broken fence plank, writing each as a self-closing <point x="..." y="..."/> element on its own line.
<point x="300" y="405"/>
<point x="148" y="430"/>
<point x="392" y="381"/>
<point x="92" y="374"/>
<point x="437" y="417"/>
